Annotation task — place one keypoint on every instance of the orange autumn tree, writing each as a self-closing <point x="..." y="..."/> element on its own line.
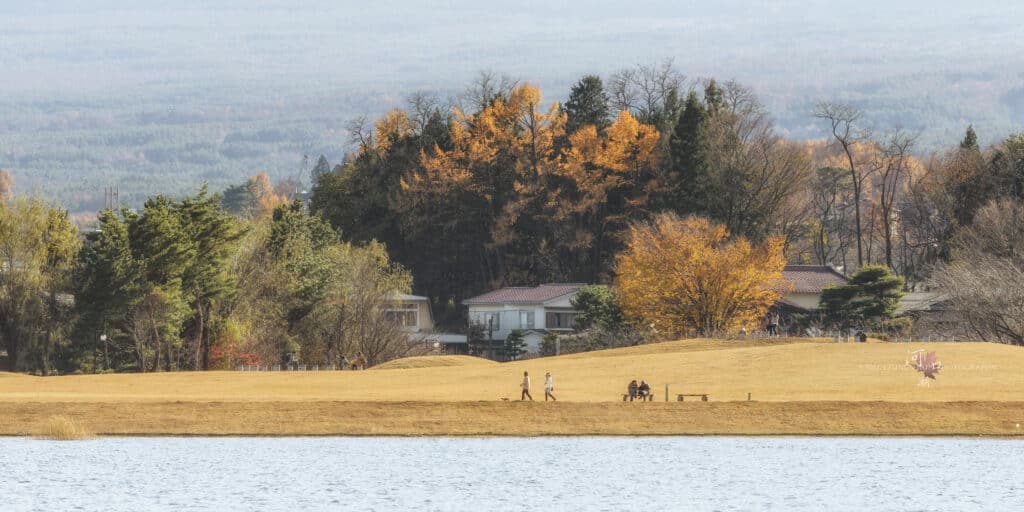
<point x="517" y="200"/>
<point x="6" y="186"/>
<point x="605" y="182"/>
<point x="688" y="276"/>
<point x="485" y="191"/>
<point x="266" y="196"/>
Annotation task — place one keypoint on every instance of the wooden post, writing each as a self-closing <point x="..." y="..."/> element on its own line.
<point x="748" y="397"/>
<point x="666" y="392"/>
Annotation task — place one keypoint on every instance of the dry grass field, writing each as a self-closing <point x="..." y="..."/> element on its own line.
<point x="798" y="387"/>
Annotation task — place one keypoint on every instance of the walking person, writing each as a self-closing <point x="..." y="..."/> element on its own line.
<point x="526" y="387"/>
<point x="773" y="324"/>
<point x="549" y="386"/>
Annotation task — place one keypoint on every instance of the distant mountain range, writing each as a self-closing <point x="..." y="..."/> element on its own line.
<point x="151" y="97"/>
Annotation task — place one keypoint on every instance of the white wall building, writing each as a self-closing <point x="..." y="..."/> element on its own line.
<point x="412" y="313"/>
<point x="533" y="310"/>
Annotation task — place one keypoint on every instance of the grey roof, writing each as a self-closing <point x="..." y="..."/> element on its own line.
<point x="921" y="301"/>
<point x="810" y="278"/>
<point x="525" y="294"/>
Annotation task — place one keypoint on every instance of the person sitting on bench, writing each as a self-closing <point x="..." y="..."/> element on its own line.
<point x="632" y="390"/>
<point x="644" y="390"/>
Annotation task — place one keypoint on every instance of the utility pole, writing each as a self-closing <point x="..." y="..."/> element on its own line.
<point x="111" y="198"/>
<point x="490" y="337"/>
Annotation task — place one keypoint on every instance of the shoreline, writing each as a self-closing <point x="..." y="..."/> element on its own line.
<point x="522" y="419"/>
<point x="1008" y="437"/>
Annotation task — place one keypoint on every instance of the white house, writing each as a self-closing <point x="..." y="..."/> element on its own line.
<point x="412" y="313"/>
<point x="533" y="310"/>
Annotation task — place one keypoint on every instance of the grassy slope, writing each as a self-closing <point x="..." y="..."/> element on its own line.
<point x="803" y="387"/>
<point x="725" y="370"/>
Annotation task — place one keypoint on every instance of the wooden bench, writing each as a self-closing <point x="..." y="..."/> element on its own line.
<point x="681" y="396"/>
<point x="648" y="398"/>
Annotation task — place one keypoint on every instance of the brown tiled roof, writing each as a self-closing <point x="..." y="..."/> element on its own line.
<point x="525" y="294"/>
<point x="810" y="278"/>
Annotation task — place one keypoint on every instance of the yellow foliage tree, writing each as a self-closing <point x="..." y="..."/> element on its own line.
<point x="393" y="127"/>
<point x="688" y="276"/>
<point x="491" y="180"/>
<point x="6" y="186"/>
<point x="610" y="176"/>
<point x="266" y="198"/>
<point x="530" y="201"/>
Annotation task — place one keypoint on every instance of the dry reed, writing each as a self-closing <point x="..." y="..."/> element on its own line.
<point x="63" y="428"/>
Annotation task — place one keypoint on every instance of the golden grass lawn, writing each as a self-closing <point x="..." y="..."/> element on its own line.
<point x="798" y="386"/>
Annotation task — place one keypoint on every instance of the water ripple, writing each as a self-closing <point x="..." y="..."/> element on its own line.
<point x="691" y="473"/>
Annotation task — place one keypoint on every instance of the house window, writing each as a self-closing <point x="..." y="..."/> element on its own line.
<point x="405" y="315"/>
<point x="526" y="319"/>
<point x="560" y="320"/>
<point x="489" y="321"/>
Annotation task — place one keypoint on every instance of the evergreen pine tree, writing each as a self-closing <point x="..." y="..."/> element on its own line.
<point x="322" y="167"/>
<point x="687" y="176"/>
<point x="587" y="105"/>
<point x="206" y="281"/>
<point x="970" y="139"/>
<point x="872" y="295"/>
<point x="298" y="241"/>
<point x="109" y="283"/>
<point x="714" y="98"/>
<point x="515" y="345"/>
<point x="673" y="108"/>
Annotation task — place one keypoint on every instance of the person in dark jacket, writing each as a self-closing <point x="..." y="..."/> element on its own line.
<point x="644" y="391"/>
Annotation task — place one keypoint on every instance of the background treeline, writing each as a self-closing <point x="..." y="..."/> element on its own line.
<point x="184" y="285"/>
<point x="505" y="189"/>
<point x="501" y="188"/>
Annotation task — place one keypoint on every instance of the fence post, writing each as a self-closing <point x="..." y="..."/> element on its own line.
<point x="666" y="392"/>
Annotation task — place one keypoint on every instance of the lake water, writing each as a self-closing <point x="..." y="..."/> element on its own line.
<point x="484" y="474"/>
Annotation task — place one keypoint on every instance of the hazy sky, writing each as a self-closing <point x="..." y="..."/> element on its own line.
<point x="215" y="90"/>
<point x="71" y="46"/>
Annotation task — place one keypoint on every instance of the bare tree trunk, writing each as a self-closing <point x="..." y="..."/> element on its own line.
<point x="887" y="233"/>
<point x="843" y="119"/>
<point x="45" y="355"/>
<point x="157" y="345"/>
<point x="894" y="155"/>
<point x="12" y="342"/>
<point x="167" y="361"/>
<point x="856" y="216"/>
<point x="202" y="354"/>
<point x="871" y="233"/>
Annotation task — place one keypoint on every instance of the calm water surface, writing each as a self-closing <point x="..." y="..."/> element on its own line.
<point x="677" y="473"/>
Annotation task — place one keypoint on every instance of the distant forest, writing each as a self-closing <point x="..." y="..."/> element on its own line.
<point x="152" y="99"/>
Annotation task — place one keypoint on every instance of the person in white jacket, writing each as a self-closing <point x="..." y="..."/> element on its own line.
<point x="526" y="387"/>
<point x="549" y="386"/>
